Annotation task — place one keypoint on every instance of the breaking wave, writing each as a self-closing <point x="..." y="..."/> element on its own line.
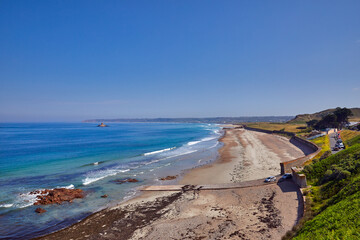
<point x="101" y="174"/>
<point x="159" y="151"/>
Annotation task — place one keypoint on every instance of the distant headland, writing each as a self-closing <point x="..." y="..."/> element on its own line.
<point x="220" y="120"/>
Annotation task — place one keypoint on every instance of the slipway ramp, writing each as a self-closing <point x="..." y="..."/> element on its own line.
<point x="184" y="187"/>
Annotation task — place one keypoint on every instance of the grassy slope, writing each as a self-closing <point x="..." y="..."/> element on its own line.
<point x="347" y="135"/>
<point x="277" y="126"/>
<point x="335" y="195"/>
<point x="324" y="143"/>
<point x="340" y="221"/>
<point x="303" y="118"/>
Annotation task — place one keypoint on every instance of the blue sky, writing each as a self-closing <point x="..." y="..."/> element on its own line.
<point x="75" y="60"/>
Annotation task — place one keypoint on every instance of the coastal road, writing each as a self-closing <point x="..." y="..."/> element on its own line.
<point x="333" y="142"/>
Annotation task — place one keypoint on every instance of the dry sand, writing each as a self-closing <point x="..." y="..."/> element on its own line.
<point x="246" y="155"/>
<point x="259" y="212"/>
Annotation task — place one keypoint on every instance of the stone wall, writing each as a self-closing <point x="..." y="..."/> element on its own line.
<point x="298" y="162"/>
<point x="298" y="178"/>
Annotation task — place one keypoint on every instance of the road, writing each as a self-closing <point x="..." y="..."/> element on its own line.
<point x="333" y="142"/>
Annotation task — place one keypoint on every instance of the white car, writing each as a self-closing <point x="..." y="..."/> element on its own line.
<point x="270" y="179"/>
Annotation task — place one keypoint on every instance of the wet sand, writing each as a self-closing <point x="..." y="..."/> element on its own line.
<point x="259" y="212"/>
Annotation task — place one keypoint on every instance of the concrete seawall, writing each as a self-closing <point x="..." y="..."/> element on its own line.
<point x="298" y="162"/>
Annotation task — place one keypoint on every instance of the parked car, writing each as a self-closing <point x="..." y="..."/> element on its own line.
<point x="286" y="176"/>
<point x="341" y="145"/>
<point x="270" y="179"/>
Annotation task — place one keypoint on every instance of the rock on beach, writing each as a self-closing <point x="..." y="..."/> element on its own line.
<point x="57" y="195"/>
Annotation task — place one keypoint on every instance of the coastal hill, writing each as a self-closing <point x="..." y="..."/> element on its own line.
<point x="303" y="118"/>
<point x="196" y="120"/>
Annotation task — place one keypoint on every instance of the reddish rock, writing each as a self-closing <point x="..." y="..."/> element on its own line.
<point x="40" y="210"/>
<point x="121" y="181"/>
<point x="168" y="178"/>
<point x="104" y="196"/>
<point x="57" y="195"/>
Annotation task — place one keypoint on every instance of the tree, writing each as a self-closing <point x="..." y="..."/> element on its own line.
<point x="342" y="115"/>
<point x="312" y="123"/>
<point x="328" y="121"/>
<point x="337" y="119"/>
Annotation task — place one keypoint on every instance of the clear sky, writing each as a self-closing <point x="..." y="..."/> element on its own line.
<point x="75" y="60"/>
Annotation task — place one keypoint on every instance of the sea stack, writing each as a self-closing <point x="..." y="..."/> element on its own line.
<point x="102" y="125"/>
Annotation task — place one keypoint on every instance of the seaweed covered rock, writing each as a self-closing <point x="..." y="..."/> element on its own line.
<point x="57" y="195"/>
<point x="168" y="178"/>
<point x="121" y="181"/>
<point x="40" y="210"/>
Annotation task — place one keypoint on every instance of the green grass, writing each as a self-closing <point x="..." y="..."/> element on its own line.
<point x="347" y="159"/>
<point x="324" y="143"/>
<point x="339" y="221"/>
<point x="288" y="127"/>
<point x="350" y="137"/>
<point x="334" y="197"/>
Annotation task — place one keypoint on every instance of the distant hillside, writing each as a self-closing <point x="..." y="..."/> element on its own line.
<point x="221" y="120"/>
<point x="303" y="118"/>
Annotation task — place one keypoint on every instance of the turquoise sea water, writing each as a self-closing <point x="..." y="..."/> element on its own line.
<point x="81" y="155"/>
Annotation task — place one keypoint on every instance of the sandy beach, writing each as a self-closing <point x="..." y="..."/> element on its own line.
<point x="246" y="155"/>
<point x="264" y="211"/>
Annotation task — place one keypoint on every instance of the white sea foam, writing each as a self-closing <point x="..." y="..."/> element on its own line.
<point x="193" y="143"/>
<point x="101" y="174"/>
<point x="71" y="186"/>
<point x="153" y="161"/>
<point x="6" y="205"/>
<point x="217" y="143"/>
<point x="159" y="151"/>
<point x="28" y="199"/>
<point x="177" y="155"/>
<point x="202" y="140"/>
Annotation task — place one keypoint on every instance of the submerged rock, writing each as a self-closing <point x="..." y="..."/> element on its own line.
<point x="57" y="195"/>
<point x="168" y="178"/>
<point x="40" y="210"/>
<point x="121" y="181"/>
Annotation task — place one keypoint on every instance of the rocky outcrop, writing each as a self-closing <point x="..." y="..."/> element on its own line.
<point x="168" y="178"/>
<point x="121" y="181"/>
<point x="57" y="195"/>
<point x="40" y="210"/>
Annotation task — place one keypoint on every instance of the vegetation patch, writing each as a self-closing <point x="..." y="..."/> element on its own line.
<point x="348" y="137"/>
<point x="287" y="127"/>
<point x="340" y="221"/>
<point x="334" y="197"/>
<point x="324" y="143"/>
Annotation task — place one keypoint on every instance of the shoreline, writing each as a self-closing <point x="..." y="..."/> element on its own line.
<point x="232" y="158"/>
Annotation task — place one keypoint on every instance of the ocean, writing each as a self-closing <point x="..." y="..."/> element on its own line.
<point x="35" y="156"/>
